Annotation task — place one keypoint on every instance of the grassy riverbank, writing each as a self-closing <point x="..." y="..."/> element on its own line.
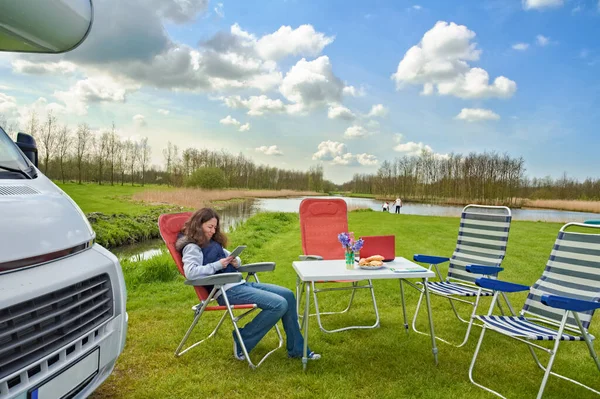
<point x="123" y="215"/>
<point x="383" y="363"/>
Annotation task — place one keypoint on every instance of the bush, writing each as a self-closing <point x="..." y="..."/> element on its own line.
<point x="210" y="178"/>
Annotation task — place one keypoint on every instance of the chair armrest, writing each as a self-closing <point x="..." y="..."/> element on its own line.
<point x="257" y="267"/>
<point x="216" y="279"/>
<point x="310" y="257"/>
<point x="432" y="260"/>
<point x="497" y="285"/>
<point x="488" y="270"/>
<point x="561" y="302"/>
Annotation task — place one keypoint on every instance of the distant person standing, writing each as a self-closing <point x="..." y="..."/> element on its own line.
<point x="398" y="204"/>
<point x="386" y="206"/>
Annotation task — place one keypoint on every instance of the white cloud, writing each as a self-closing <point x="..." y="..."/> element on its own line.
<point x="412" y="148"/>
<point x="337" y="111"/>
<point x="520" y="46"/>
<point x="540" y="4"/>
<point x="311" y="84"/>
<point x="353" y="91"/>
<point x="303" y="40"/>
<point x="477" y="114"/>
<point x="235" y="59"/>
<point x="256" y="105"/>
<point x="366" y="159"/>
<point x="164" y="111"/>
<point x="96" y="89"/>
<point x="378" y="110"/>
<point x="344" y="159"/>
<point x="440" y="60"/>
<point x="417" y="7"/>
<point x="269" y="150"/>
<point x="228" y="120"/>
<point x="356" y="131"/>
<point x="372" y="124"/>
<point x="328" y="150"/>
<point x="139" y="120"/>
<point x="219" y="10"/>
<point x="337" y="154"/>
<point x="8" y="105"/>
<point x="542" y="40"/>
<point x="349" y="159"/>
<point x="20" y="65"/>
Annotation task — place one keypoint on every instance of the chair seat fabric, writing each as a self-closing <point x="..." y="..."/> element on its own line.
<point x="448" y="288"/>
<point x="520" y="327"/>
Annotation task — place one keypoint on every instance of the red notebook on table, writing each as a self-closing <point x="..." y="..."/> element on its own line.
<point x="379" y="245"/>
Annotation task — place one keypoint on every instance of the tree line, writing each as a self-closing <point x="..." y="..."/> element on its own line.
<point x="82" y="155"/>
<point x="487" y="178"/>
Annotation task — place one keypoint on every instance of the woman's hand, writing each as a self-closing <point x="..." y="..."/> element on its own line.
<point x="235" y="263"/>
<point x="226" y="261"/>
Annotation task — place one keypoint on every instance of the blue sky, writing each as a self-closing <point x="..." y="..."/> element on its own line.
<point x="347" y="84"/>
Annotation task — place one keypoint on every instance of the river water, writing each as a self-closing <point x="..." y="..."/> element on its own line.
<point x="237" y="213"/>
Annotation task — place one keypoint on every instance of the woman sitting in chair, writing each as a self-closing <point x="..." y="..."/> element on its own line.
<point x="202" y="245"/>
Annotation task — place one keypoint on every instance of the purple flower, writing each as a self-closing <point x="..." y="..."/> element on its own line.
<point x="344" y="239"/>
<point x="358" y="245"/>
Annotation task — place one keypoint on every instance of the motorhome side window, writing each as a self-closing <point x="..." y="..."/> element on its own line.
<point x="12" y="163"/>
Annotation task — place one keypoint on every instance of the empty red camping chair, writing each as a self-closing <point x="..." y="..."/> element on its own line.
<point x="321" y="220"/>
<point x="169" y="226"/>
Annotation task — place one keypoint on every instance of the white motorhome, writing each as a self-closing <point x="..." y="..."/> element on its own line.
<point x="62" y="296"/>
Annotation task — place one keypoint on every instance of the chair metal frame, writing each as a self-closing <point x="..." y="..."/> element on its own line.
<point x="570" y="306"/>
<point x="489" y="271"/>
<point x="206" y="298"/>
<point x="354" y="284"/>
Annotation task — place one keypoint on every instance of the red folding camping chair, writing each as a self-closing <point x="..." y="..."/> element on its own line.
<point x="169" y="226"/>
<point x="321" y="220"/>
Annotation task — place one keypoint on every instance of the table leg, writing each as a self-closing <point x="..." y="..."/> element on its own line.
<point x="299" y="289"/>
<point x="403" y="306"/>
<point x="306" y="314"/>
<point x="433" y="346"/>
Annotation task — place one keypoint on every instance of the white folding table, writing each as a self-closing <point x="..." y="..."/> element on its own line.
<point x="335" y="270"/>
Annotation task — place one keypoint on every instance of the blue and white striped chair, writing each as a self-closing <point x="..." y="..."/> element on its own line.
<point x="480" y="249"/>
<point x="559" y="305"/>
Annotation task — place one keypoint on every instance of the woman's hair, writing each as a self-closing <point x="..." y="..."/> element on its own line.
<point x="193" y="227"/>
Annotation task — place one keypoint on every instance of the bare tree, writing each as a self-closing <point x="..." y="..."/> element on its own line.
<point x="170" y="154"/>
<point x="113" y="143"/>
<point x="83" y="142"/>
<point x="145" y="152"/>
<point x="64" y="140"/>
<point x="9" y="126"/>
<point x="124" y="158"/>
<point x="102" y="146"/>
<point x="48" y="138"/>
<point x="33" y="125"/>
<point x="133" y="159"/>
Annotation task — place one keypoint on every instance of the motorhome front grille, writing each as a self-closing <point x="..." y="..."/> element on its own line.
<point x="33" y="329"/>
<point x="18" y="190"/>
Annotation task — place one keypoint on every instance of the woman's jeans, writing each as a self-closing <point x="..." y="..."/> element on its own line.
<point x="275" y="303"/>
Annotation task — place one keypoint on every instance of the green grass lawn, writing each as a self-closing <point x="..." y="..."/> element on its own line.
<point x="106" y="198"/>
<point x="383" y="363"/>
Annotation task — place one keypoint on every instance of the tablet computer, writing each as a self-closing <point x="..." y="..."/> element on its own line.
<point x="236" y="252"/>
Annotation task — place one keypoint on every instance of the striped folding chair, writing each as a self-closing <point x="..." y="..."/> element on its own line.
<point x="560" y="304"/>
<point x="480" y="249"/>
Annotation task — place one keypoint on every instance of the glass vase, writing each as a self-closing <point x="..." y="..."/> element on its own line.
<point x="349" y="259"/>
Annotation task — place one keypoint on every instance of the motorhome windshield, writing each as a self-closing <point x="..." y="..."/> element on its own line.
<point x="12" y="162"/>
